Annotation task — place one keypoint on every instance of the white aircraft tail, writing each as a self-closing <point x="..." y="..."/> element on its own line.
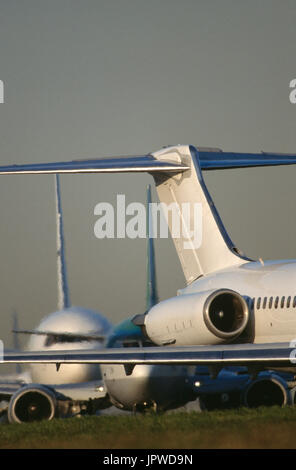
<point x="63" y="290"/>
<point x="203" y="245"/>
<point x="178" y="177"/>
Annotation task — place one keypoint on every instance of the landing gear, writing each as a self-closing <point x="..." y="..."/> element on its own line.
<point x="145" y="407"/>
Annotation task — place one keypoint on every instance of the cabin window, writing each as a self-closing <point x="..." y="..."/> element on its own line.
<point x="283" y="302"/>
<point x="276" y="302"/>
<point x="270" y="302"/>
<point x="288" y="301"/>
<point x="264" y="302"/>
<point x="258" y="303"/>
<point x="294" y="302"/>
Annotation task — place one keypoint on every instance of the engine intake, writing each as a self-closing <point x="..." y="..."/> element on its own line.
<point x="267" y="391"/>
<point x="226" y="313"/>
<point x="32" y="403"/>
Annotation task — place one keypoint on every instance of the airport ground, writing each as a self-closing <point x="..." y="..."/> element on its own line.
<point x="262" y="428"/>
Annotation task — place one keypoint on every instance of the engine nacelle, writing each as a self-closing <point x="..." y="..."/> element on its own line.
<point x="267" y="390"/>
<point x="210" y="317"/>
<point x="32" y="402"/>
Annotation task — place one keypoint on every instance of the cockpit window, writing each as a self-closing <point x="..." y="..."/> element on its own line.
<point x="60" y="339"/>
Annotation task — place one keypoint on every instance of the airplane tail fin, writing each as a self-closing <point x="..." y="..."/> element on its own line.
<point x="16" y="344"/>
<point x="63" y="290"/>
<point x="178" y="175"/>
<point x="202" y="243"/>
<point x="151" y="294"/>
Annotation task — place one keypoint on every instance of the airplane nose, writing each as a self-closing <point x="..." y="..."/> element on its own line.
<point x="149" y="386"/>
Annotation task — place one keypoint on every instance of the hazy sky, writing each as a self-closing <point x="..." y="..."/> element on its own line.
<point x="98" y="78"/>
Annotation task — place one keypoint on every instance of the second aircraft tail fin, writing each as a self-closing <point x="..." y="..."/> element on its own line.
<point x="63" y="289"/>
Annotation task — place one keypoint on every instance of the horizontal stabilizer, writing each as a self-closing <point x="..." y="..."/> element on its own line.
<point x="208" y="160"/>
<point x="64" y="335"/>
<point x="145" y="163"/>
<point x="218" y="160"/>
